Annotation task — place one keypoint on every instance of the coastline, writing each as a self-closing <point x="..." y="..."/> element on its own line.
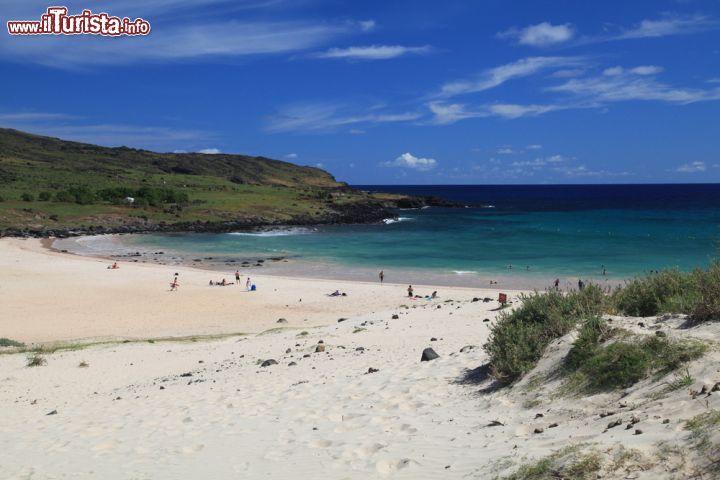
<point x="110" y="247"/>
<point x="56" y="297"/>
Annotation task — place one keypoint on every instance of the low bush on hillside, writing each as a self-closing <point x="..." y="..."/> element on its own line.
<point x="669" y="291"/>
<point x="6" y="342"/>
<point x="604" y="359"/>
<point x="569" y="462"/>
<point x="519" y="338"/>
<point x="36" y="360"/>
<point x="707" y="296"/>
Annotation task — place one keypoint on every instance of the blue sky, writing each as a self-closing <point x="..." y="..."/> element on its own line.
<point x="493" y="91"/>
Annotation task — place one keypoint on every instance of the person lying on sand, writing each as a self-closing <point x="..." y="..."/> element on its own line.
<point x="337" y="293"/>
<point x="113" y="266"/>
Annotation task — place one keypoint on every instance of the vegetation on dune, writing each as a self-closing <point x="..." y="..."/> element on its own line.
<point x="566" y="463"/>
<point x="705" y="439"/>
<point x="519" y="338"/>
<point x="603" y="358"/>
<point x="669" y="291"/>
<point x="36" y="360"/>
<point x="695" y="293"/>
<point x="47" y="183"/>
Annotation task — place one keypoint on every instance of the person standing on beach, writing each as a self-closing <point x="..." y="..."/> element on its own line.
<point x="382" y="276"/>
<point x="557" y="284"/>
<point x="410" y="291"/>
<point x="247" y="284"/>
<point x="237" y="277"/>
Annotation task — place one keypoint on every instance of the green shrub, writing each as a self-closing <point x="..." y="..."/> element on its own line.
<point x="596" y="364"/>
<point x="36" y="360"/>
<point x="64" y="197"/>
<point x="44" y="196"/>
<point x="566" y="463"/>
<point x="27" y="197"/>
<point x="707" y="298"/>
<point x="669" y="291"/>
<point x="6" y="342"/>
<point x="519" y="338"/>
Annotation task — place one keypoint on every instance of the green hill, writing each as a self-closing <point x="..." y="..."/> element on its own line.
<point x="52" y="186"/>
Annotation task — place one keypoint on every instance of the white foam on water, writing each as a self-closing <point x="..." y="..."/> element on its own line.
<point x="464" y="272"/>
<point x="276" y="233"/>
<point x="389" y="221"/>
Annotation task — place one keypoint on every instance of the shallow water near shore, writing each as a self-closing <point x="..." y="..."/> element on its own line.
<point x="523" y="236"/>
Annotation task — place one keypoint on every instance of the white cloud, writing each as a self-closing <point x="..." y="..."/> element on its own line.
<point x="511" y="111"/>
<point x="177" y="42"/>
<point x="367" y="25"/>
<point x="324" y="117"/>
<point x="647" y="70"/>
<point x="568" y="72"/>
<point x="540" y="162"/>
<point x="693" y="167"/>
<point x="357" y="131"/>
<point x="617" y="84"/>
<point x="408" y="160"/>
<point x="445" y="114"/>
<point x="613" y="71"/>
<point x="541" y="35"/>
<point x="534" y="146"/>
<point x="373" y="52"/>
<point x="505" y="151"/>
<point x="291" y="156"/>
<point x="584" y="171"/>
<point x="209" y="151"/>
<point x="496" y="76"/>
<point x="669" y="25"/>
<point x="641" y="70"/>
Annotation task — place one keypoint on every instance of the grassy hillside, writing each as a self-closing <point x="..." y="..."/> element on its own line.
<point x="52" y="184"/>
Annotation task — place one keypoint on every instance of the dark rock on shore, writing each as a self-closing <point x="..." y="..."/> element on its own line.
<point x="428" y="354"/>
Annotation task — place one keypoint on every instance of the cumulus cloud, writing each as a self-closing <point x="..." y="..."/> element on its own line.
<point x="408" y="160"/>
<point x="291" y="156"/>
<point x="692" y="167"/>
<point x="541" y="35"/>
<point x="373" y="52"/>
<point x="534" y="146"/>
<point x="209" y="151"/>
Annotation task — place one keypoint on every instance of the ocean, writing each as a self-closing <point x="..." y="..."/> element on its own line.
<point x="539" y="231"/>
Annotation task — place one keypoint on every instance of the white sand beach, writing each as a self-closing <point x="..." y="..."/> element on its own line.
<point x="362" y="405"/>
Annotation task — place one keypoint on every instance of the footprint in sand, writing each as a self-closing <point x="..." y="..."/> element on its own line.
<point x="388" y="467"/>
<point x="320" y="443"/>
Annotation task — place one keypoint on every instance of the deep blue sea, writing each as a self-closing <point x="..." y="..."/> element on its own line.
<point x="553" y="230"/>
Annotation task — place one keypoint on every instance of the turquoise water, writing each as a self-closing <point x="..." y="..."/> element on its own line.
<point x="538" y="231"/>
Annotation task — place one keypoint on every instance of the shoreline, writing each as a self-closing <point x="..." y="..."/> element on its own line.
<point x="59" y="297"/>
<point x="298" y="268"/>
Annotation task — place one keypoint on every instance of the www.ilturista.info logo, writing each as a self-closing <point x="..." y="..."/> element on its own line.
<point x="56" y="21"/>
